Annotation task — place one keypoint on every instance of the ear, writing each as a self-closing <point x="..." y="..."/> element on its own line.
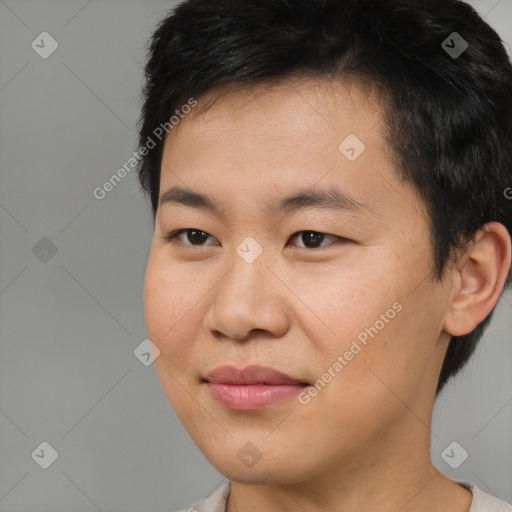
<point x="479" y="278"/>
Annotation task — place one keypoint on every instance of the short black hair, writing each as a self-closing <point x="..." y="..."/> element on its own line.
<point x="448" y="108"/>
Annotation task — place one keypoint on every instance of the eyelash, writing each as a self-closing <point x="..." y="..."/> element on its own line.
<point x="171" y="237"/>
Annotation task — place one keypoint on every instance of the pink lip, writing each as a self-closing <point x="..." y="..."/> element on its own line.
<point x="251" y="388"/>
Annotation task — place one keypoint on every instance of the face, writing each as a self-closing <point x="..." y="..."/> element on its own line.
<point x="335" y="296"/>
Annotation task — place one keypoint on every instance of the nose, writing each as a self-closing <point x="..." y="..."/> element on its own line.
<point x="250" y="298"/>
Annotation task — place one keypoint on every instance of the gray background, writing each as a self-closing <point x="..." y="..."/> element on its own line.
<point x="70" y="325"/>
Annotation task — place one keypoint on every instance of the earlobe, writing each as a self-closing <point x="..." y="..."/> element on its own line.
<point x="481" y="275"/>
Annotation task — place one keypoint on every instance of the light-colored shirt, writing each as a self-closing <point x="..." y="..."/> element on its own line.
<point x="482" y="502"/>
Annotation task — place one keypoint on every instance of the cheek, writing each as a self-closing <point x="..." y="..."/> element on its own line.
<point x="173" y="316"/>
<point x="341" y="302"/>
<point x="171" y="302"/>
<point x="385" y="334"/>
<point x="393" y="364"/>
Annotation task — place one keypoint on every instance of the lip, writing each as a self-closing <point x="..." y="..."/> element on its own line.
<point x="253" y="374"/>
<point x="251" y="388"/>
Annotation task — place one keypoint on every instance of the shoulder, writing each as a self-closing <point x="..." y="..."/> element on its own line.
<point x="214" y="502"/>
<point x="483" y="502"/>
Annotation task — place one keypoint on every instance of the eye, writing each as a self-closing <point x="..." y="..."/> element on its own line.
<point x="195" y="236"/>
<point x="310" y="239"/>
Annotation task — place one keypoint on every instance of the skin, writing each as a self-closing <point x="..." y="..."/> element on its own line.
<point x="362" y="443"/>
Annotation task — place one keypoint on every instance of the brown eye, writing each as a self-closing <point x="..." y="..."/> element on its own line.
<point x="313" y="239"/>
<point x="192" y="236"/>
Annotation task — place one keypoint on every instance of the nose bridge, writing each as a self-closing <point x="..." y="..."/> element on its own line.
<point x="247" y="298"/>
<point x="248" y="275"/>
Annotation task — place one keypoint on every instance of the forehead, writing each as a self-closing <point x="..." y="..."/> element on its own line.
<point x="298" y="120"/>
<point x="250" y="143"/>
<point x="273" y="106"/>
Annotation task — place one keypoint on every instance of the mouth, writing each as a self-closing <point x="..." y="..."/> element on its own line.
<point x="251" y="388"/>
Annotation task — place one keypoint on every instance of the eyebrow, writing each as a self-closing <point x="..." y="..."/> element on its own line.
<point x="330" y="198"/>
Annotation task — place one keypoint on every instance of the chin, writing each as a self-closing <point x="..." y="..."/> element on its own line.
<point x="239" y="467"/>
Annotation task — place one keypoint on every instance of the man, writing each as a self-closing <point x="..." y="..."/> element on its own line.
<point x="331" y="238"/>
